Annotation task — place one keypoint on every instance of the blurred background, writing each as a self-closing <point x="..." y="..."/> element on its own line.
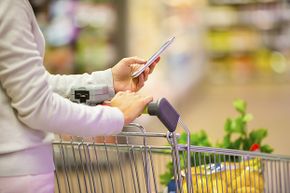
<point x="224" y="50"/>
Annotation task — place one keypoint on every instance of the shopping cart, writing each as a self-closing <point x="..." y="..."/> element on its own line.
<point x="131" y="162"/>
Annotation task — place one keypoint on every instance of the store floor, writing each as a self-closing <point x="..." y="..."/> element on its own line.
<point x="207" y="107"/>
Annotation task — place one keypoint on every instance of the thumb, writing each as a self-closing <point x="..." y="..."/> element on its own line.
<point x="135" y="60"/>
<point x="148" y="99"/>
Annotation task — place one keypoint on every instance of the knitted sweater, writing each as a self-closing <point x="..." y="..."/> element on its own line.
<point x="31" y="105"/>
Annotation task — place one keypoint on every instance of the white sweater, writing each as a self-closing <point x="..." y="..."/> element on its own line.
<point x="31" y="107"/>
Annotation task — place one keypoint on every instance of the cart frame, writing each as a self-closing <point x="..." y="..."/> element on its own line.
<point x="126" y="163"/>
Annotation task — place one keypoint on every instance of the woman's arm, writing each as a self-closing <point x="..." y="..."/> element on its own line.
<point x="24" y="80"/>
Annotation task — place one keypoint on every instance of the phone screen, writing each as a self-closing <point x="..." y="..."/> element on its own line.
<point x="153" y="57"/>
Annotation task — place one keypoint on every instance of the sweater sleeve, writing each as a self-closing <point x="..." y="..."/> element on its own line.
<point x="62" y="84"/>
<point x="25" y="81"/>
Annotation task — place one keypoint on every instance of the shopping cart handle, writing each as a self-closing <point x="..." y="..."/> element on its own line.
<point x="165" y="112"/>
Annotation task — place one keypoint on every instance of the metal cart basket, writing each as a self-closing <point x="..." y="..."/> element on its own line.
<point x="131" y="162"/>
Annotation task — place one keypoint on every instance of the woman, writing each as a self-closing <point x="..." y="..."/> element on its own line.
<point x="33" y="103"/>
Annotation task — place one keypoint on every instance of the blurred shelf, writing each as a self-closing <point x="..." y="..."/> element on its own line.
<point x="248" y="44"/>
<point x="84" y="36"/>
<point x="242" y="2"/>
<point x="224" y="54"/>
<point x="250" y="26"/>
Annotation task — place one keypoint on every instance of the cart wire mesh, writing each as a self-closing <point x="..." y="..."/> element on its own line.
<point x="121" y="163"/>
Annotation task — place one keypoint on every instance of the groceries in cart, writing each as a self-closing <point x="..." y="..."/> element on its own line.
<point x="230" y="177"/>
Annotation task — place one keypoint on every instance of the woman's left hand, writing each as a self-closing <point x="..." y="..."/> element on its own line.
<point x="123" y="70"/>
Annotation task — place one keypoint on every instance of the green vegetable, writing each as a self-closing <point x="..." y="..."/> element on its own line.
<point x="238" y="127"/>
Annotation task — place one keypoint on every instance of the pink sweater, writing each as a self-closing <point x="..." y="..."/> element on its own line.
<point x="31" y="105"/>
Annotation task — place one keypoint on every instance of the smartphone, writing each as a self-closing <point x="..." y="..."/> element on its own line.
<point x="153" y="57"/>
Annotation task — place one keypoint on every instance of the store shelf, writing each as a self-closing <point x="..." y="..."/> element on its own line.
<point x="248" y="43"/>
<point x="243" y="2"/>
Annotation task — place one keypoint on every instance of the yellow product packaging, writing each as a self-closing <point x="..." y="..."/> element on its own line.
<point x="230" y="177"/>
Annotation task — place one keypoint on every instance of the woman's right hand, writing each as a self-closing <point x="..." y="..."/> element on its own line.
<point x="131" y="104"/>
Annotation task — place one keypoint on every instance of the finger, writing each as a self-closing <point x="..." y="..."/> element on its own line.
<point x="140" y="81"/>
<point x="148" y="99"/>
<point x="135" y="67"/>
<point x="134" y="83"/>
<point x="146" y="73"/>
<point x="152" y="66"/>
<point x="134" y="60"/>
<point x="157" y="59"/>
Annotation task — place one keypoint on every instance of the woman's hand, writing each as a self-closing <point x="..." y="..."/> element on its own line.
<point x="123" y="70"/>
<point x="130" y="103"/>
